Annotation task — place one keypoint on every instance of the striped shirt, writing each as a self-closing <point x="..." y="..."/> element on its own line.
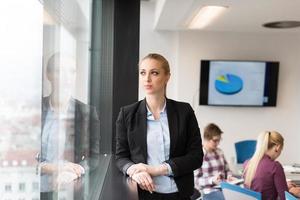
<point x="213" y="163"/>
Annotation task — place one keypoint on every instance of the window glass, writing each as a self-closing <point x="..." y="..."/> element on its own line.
<point x="50" y="133"/>
<point x="70" y="125"/>
<point x="21" y="34"/>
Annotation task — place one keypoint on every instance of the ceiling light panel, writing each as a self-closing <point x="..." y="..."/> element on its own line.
<point x="205" y="16"/>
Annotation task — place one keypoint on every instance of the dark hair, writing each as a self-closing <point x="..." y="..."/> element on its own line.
<point x="211" y="130"/>
<point x="164" y="62"/>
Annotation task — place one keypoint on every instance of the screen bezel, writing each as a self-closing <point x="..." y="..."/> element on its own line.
<point x="270" y="85"/>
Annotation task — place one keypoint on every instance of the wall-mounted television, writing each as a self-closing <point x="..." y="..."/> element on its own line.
<point x="238" y="83"/>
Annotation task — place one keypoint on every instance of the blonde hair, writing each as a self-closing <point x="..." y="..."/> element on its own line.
<point x="265" y="141"/>
<point x="164" y="62"/>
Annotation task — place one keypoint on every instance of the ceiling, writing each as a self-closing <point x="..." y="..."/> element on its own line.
<point x="241" y="15"/>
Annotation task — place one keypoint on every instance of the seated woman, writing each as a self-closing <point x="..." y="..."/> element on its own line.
<point x="265" y="175"/>
<point x="214" y="168"/>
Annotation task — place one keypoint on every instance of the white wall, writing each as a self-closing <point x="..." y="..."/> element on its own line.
<point x="164" y="43"/>
<point x="244" y="122"/>
<point x="185" y="50"/>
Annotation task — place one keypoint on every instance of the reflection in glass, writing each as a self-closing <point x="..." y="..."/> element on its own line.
<point x="70" y="143"/>
<point x="70" y="127"/>
<point x="49" y="141"/>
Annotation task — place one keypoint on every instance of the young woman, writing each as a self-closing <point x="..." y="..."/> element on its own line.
<point x="263" y="173"/>
<point x="158" y="139"/>
<point x="215" y="168"/>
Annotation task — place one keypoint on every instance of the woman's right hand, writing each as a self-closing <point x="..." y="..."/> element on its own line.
<point x="50" y="168"/>
<point x="73" y="168"/>
<point x="151" y="170"/>
<point x="136" y="168"/>
<point x="144" y="181"/>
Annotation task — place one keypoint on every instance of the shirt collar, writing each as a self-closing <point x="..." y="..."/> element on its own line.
<point x="70" y="108"/>
<point x="267" y="156"/>
<point x="163" y="110"/>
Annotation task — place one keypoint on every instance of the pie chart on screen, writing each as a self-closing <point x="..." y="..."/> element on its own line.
<point x="228" y="84"/>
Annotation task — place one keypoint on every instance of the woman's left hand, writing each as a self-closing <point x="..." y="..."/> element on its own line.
<point x="144" y="180"/>
<point x="295" y="191"/>
<point x="291" y="184"/>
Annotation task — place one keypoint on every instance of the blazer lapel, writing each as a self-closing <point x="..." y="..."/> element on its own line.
<point x="141" y="124"/>
<point x="45" y="108"/>
<point x="173" y="126"/>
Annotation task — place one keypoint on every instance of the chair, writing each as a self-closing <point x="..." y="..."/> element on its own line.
<point x="288" y="196"/>
<point x="234" y="192"/>
<point x="244" y="150"/>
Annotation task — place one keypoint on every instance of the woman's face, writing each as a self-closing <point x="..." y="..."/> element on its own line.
<point x="153" y="77"/>
<point x="277" y="151"/>
<point x="63" y="75"/>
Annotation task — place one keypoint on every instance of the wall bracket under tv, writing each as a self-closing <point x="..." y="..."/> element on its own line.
<point x="238" y="83"/>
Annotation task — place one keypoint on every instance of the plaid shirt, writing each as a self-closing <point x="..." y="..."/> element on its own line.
<point x="213" y="163"/>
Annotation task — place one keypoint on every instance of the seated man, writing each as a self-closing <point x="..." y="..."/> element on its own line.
<point x="214" y="168"/>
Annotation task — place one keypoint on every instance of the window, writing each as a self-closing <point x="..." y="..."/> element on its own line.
<point x="47" y="115"/>
<point x="22" y="187"/>
<point x="20" y="89"/>
<point x="7" y="187"/>
<point x="70" y="126"/>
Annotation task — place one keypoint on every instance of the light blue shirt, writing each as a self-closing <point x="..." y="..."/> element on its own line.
<point x="50" y="138"/>
<point x="158" y="149"/>
<point x="54" y="143"/>
<point x="50" y="152"/>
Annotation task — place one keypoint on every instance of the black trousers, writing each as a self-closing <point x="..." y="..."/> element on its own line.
<point x="145" y="195"/>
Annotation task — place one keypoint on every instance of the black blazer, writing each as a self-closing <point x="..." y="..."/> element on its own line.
<point x="84" y="126"/>
<point x="185" y="149"/>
